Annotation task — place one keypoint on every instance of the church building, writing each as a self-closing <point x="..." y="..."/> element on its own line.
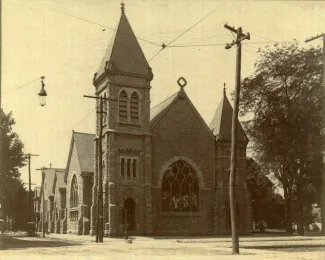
<point x="165" y="171"/>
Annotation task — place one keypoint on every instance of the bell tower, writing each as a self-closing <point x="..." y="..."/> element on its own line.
<point x="125" y="75"/>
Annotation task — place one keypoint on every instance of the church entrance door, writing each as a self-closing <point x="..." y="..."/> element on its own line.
<point x="129" y="212"/>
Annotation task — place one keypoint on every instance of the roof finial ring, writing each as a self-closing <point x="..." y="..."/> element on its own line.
<point x="182" y="82"/>
<point x="224" y="88"/>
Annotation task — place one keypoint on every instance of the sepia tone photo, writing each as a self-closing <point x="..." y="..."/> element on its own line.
<point x="190" y="129"/>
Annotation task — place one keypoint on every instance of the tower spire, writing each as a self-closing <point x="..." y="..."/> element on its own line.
<point x="224" y="88"/>
<point x="122" y="7"/>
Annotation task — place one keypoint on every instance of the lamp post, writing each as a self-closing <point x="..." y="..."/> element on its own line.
<point x="42" y="94"/>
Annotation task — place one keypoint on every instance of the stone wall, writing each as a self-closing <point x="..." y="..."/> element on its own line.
<point x="182" y="134"/>
<point x="73" y="225"/>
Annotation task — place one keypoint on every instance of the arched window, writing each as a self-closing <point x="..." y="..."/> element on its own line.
<point x="123" y="105"/>
<point x="180" y="188"/>
<point x="134" y="108"/>
<point x="74" y="193"/>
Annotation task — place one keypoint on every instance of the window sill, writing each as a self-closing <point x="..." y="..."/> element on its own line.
<point x="129" y="178"/>
<point x="181" y="214"/>
<point x="129" y="123"/>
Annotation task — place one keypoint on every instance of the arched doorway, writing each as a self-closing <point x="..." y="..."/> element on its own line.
<point x="128" y="214"/>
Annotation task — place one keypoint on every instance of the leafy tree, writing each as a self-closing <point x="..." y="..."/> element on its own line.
<point x="11" y="159"/>
<point x="266" y="202"/>
<point x="285" y="98"/>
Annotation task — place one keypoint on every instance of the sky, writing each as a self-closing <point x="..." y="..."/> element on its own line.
<point x="44" y="38"/>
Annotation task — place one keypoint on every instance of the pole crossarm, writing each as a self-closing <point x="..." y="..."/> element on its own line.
<point x="235" y="30"/>
<point x="29" y="154"/>
<point x="315" y="37"/>
<point x="103" y="98"/>
<point x="228" y="46"/>
<point x="240" y="36"/>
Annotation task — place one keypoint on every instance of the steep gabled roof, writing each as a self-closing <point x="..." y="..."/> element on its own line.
<point x="58" y="179"/>
<point x="85" y="152"/>
<point x="221" y="123"/>
<point x="37" y="192"/>
<point x="158" y="112"/>
<point x="124" y="50"/>
<point x="48" y="181"/>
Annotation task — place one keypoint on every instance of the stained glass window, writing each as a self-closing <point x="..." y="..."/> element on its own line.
<point x="180" y="188"/>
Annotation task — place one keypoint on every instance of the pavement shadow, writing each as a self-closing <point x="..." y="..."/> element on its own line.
<point x="21" y="242"/>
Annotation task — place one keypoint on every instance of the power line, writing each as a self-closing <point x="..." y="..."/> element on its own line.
<point x="84" y="118"/>
<point x="89" y="21"/>
<point x="167" y="32"/>
<point x="164" y="46"/>
<point x="192" y="26"/>
<point x="263" y="38"/>
<point x="196" y="45"/>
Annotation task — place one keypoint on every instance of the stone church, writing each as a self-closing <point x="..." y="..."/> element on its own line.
<point x="165" y="171"/>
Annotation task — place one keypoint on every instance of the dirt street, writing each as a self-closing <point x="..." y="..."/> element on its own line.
<point x="18" y="246"/>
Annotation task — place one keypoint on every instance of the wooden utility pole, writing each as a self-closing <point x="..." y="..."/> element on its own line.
<point x="29" y="155"/>
<point x="99" y="219"/>
<point x="0" y="53"/>
<point x="43" y="198"/>
<point x="233" y="165"/>
<point x="322" y="198"/>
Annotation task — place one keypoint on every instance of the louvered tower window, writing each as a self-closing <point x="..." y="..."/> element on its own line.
<point x="105" y="110"/>
<point x="123" y="105"/>
<point x="134" y="108"/>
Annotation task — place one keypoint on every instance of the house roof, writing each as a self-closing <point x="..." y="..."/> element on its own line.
<point x="49" y="176"/>
<point x="221" y="123"/>
<point x="58" y="179"/>
<point x="85" y="151"/>
<point x="124" y="50"/>
<point x="37" y="192"/>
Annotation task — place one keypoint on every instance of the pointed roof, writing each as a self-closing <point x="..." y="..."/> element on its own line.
<point x="58" y="180"/>
<point x="85" y="152"/>
<point x="124" y="52"/>
<point x="221" y="123"/>
<point x="49" y="178"/>
<point x="158" y="112"/>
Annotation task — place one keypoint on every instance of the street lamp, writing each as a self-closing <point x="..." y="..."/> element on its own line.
<point x="42" y="94"/>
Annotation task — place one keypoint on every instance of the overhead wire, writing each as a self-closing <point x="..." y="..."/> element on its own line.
<point x="102" y="25"/>
<point x="84" y="118"/>
<point x="164" y="46"/>
<point x="23" y="85"/>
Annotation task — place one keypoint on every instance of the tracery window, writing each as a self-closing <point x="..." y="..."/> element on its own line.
<point x="123" y="107"/>
<point x="134" y="107"/>
<point x="74" y="193"/>
<point x="180" y="188"/>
